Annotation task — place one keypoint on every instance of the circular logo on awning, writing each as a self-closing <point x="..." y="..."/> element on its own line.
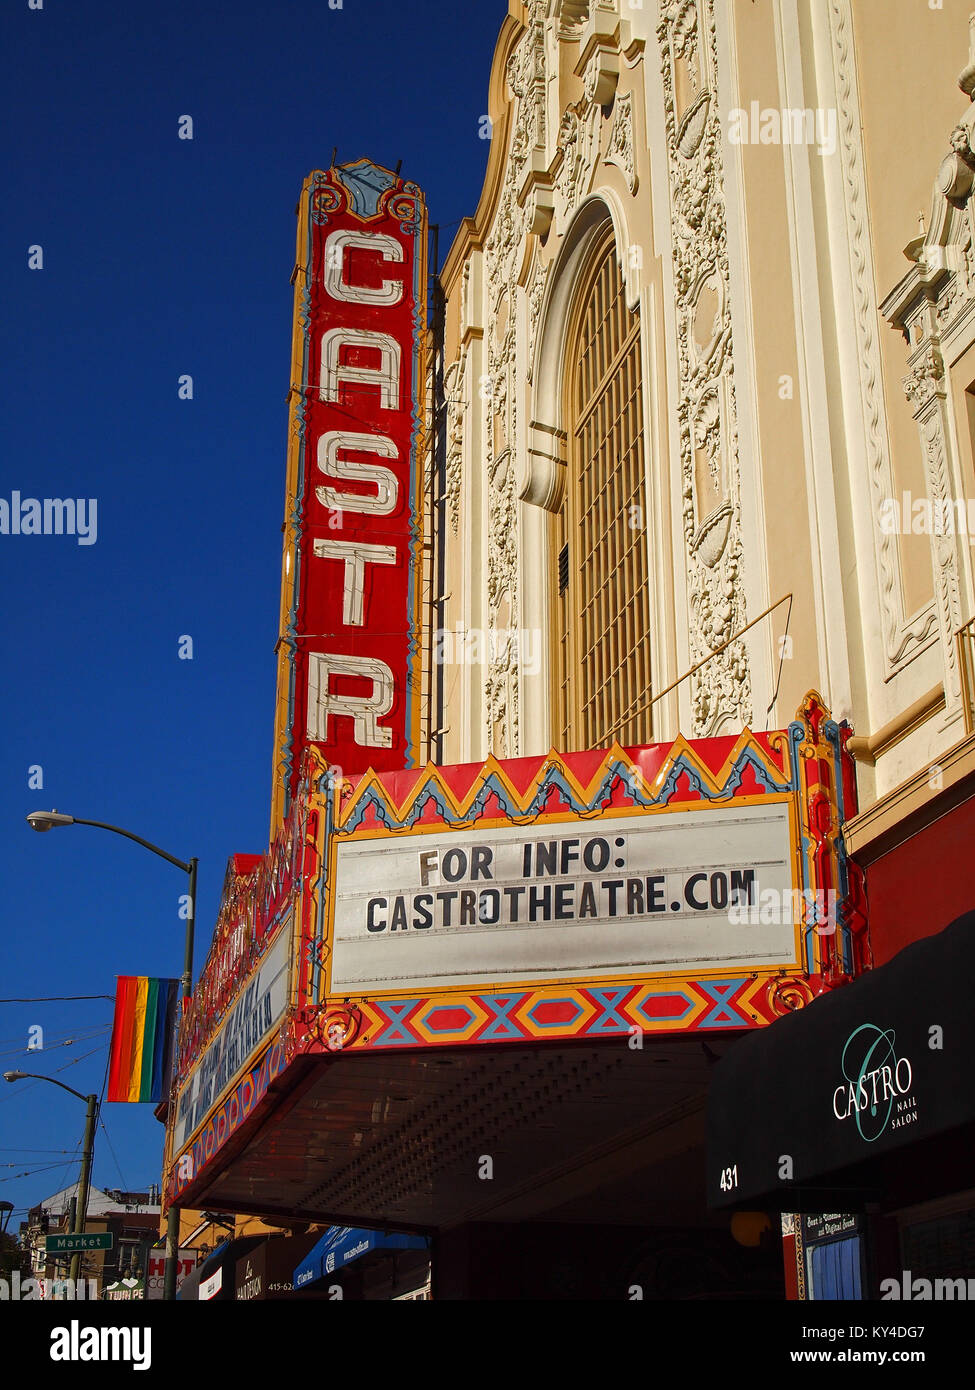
<point x="876" y="1080"/>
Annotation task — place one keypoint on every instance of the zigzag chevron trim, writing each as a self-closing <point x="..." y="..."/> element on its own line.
<point x="582" y="784"/>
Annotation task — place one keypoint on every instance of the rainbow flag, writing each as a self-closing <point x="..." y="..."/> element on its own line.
<point x="143" y="1035"/>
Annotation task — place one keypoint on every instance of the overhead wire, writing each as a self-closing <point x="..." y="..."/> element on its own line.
<point x="56" y="998"/>
<point x="80" y="1037"/>
<point x="118" y="1167"/>
<point x="11" y="1042"/>
<point x="35" y="1151"/>
<point x="29" y="1172"/>
<point x="36" y="1081"/>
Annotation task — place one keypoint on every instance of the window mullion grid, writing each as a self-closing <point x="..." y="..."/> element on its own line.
<point x="603" y="634"/>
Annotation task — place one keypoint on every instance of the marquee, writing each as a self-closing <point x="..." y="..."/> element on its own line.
<point x="615" y="893"/>
<point x="517" y="899"/>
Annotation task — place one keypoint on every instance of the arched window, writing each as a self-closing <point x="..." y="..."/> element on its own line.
<point x="602" y="649"/>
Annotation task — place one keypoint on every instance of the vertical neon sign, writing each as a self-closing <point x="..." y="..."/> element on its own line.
<point x="348" y="649"/>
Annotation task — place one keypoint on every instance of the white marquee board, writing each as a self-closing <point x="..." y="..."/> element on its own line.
<point x="578" y="898"/>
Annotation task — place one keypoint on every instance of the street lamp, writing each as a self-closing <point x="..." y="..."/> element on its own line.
<point x="47" y="820"/>
<point x="81" y="1209"/>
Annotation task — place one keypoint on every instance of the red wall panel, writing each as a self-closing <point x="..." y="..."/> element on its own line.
<point x="919" y="887"/>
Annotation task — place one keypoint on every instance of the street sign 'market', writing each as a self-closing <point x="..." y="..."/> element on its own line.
<point x="85" y="1240"/>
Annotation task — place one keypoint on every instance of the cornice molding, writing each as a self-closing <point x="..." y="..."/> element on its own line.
<point x="912" y="806"/>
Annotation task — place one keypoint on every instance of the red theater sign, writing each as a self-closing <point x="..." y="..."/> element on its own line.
<point x="350" y="619"/>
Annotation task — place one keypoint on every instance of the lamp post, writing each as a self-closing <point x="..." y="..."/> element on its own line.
<point x="91" y="1119"/>
<point x="47" y="820"/>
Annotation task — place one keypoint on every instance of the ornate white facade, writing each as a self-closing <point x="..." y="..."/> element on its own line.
<point x="774" y="303"/>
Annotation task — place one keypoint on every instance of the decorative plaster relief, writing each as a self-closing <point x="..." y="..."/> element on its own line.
<point x="619" y="150"/>
<point x="706" y="412"/>
<point x="454" y="385"/>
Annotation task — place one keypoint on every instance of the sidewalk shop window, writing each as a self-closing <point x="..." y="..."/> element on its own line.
<point x="942" y="1247"/>
<point x="602" y="649"/>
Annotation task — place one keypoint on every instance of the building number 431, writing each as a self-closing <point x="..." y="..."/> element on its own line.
<point x="729" y="1178"/>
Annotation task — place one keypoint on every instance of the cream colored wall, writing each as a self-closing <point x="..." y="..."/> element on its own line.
<point x="908" y="57"/>
<point x="775" y="368"/>
<point x="908" y="60"/>
<point x="858" y="435"/>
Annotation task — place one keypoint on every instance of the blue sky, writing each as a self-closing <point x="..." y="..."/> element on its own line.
<point x="164" y="257"/>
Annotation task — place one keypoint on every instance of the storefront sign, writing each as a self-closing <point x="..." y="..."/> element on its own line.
<point x="156" y="1271"/>
<point x="251" y="1019"/>
<point x="565" y="899"/>
<point x="209" y="1288"/>
<point x="864" y="1070"/>
<point x="828" y="1226"/>
<point x="123" y="1290"/>
<point x="342" y="1246"/>
<point x="876" y="1090"/>
<point x="250" y="1279"/>
<point x="350" y="606"/>
<point x="266" y="1271"/>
